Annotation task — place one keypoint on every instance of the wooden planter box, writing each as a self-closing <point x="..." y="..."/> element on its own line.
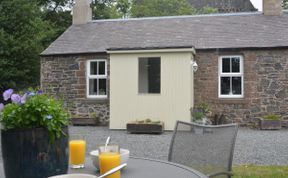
<point x="84" y="122"/>
<point x="145" y="128"/>
<point x="284" y="123"/>
<point x="269" y="124"/>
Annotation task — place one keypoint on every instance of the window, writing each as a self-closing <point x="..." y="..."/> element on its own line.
<point x="231" y="77"/>
<point x="97" y="78"/>
<point x="149" y="75"/>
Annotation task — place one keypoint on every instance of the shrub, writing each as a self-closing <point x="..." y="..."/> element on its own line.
<point x="272" y="117"/>
<point x="198" y="116"/>
<point x="32" y="110"/>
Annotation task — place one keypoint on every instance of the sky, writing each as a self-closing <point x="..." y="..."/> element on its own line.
<point x="257" y="4"/>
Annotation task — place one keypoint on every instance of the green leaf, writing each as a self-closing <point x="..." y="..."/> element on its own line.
<point x="31" y="114"/>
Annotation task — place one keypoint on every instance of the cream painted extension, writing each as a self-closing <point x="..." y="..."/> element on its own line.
<point x="174" y="101"/>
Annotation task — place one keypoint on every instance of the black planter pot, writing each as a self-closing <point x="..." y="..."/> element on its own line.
<point x="28" y="153"/>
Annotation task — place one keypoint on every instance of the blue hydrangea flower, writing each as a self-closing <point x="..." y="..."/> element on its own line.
<point x="48" y="117"/>
<point x="7" y="94"/>
<point x="23" y="98"/>
<point x="31" y="93"/>
<point x="39" y="92"/>
<point x="1" y="106"/>
<point x="15" y="98"/>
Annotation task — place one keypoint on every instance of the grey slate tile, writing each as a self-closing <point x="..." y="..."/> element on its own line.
<point x="239" y="30"/>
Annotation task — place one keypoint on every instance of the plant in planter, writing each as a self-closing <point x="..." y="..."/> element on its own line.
<point x="34" y="135"/>
<point x="145" y="126"/>
<point x="270" y="122"/>
<point x="95" y="118"/>
<point x="200" y="114"/>
<point x="198" y="117"/>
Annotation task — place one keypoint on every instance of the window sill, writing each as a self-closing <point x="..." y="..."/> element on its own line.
<point x="231" y="101"/>
<point x="96" y="100"/>
<point x="149" y="94"/>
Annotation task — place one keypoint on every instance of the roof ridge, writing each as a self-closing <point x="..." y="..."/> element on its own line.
<point x="181" y="16"/>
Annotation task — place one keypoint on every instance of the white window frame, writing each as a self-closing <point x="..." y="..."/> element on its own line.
<point x="238" y="74"/>
<point x="89" y="76"/>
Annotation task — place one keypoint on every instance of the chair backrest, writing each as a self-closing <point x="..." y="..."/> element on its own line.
<point x="208" y="149"/>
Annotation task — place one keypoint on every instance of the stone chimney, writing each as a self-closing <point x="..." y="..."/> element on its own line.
<point x="82" y="12"/>
<point x="272" y="7"/>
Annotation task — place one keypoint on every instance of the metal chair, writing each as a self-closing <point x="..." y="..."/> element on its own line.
<point x="208" y="149"/>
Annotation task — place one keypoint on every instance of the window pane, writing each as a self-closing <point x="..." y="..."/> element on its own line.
<point x="225" y="65"/>
<point x="149" y="75"/>
<point x="236" y="85"/>
<point x="102" y="87"/>
<point x="225" y="85"/>
<point x="93" y="68"/>
<point x="154" y="75"/>
<point x="101" y="68"/>
<point x="236" y="64"/>
<point x="143" y="75"/>
<point x="92" y="86"/>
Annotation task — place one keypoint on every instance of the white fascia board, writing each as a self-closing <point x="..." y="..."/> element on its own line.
<point x="171" y="50"/>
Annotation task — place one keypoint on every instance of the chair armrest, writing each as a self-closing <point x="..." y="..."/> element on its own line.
<point x="258" y="118"/>
<point x="220" y="173"/>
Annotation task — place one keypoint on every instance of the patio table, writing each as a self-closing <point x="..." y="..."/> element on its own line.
<point x="144" y="168"/>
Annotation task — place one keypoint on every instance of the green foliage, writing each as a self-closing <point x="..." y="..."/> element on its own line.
<point x="161" y="8"/>
<point x="207" y="10"/>
<point x="23" y="35"/>
<point x="104" y="9"/>
<point x="58" y="14"/>
<point x="59" y="21"/>
<point x="147" y="121"/>
<point x="272" y="117"/>
<point x="200" y="112"/>
<point x="95" y="117"/>
<point x="156" y="122"/>
<point x="123" y="7"/>
<point x="38" y="111"/>
<point x="285" y="4"/>
<point x="204" y="107"/>
<point x="197" y="116"/>
<point x="166" y="8"/>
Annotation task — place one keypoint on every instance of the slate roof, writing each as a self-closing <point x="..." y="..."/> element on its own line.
<point x="241" y="30"/>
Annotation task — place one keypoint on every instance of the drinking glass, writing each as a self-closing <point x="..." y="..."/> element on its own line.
<point x="109" y="158"/>
<point x="77" y="150"/>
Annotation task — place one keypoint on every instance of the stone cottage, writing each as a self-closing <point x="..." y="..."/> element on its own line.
<point x="128" y="69"/>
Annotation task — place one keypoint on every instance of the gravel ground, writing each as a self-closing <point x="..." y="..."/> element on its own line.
<point x="252" y="146"/>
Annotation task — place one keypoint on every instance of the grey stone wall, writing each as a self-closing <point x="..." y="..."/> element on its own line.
<point x="65" y="77"/>
<point x="265" y="84"/>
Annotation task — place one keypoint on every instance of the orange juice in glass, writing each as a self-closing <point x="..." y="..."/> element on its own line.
<point x="77" y="149"/>
<point x="109" y="158"/>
